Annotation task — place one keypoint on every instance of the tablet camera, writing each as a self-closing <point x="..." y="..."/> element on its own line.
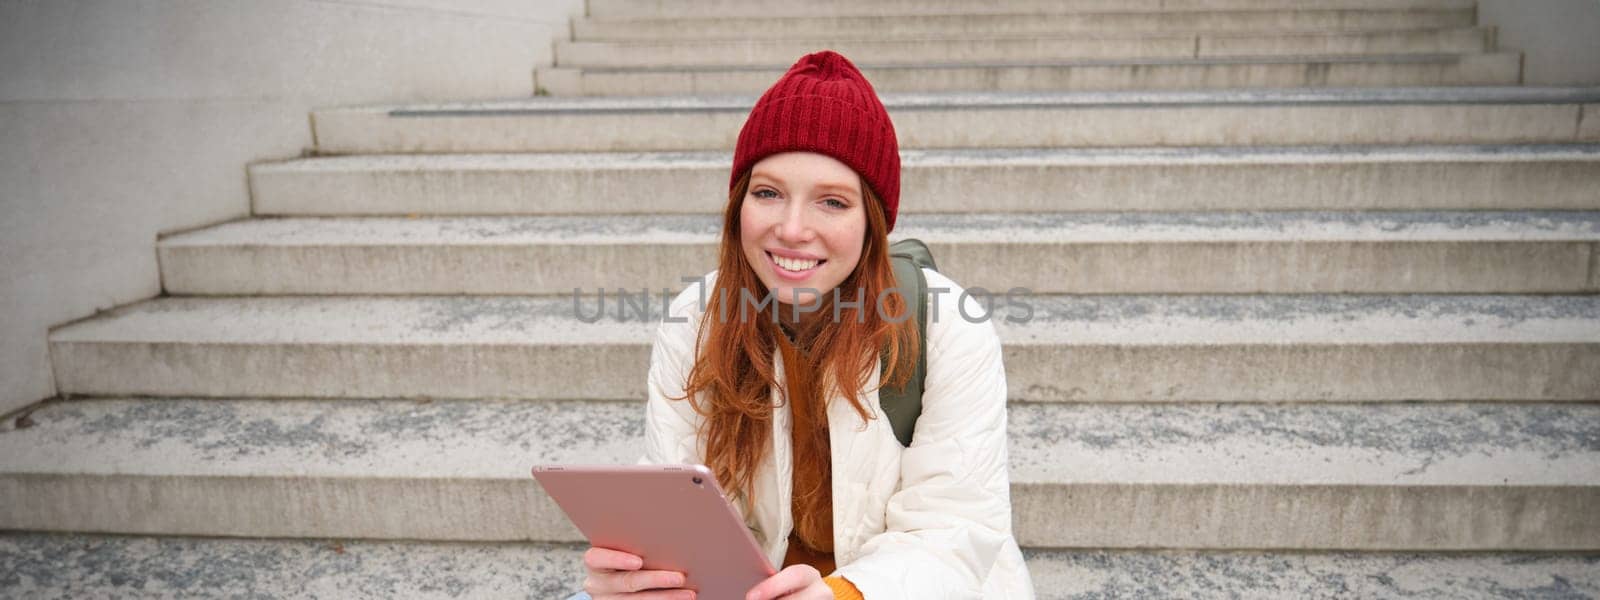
<point x="697" y="481"/>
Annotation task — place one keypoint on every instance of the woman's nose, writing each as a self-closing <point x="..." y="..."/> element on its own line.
<point x="794" y="226"/>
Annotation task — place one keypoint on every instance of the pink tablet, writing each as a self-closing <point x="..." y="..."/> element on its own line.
<point x="674" y="516"/>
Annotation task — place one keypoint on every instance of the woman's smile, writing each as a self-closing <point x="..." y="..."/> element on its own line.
<point x="793" y="269"/>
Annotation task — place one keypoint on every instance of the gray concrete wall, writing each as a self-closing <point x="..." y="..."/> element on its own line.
<point x="1560" y="39"/>
<point x="125" y="119"/>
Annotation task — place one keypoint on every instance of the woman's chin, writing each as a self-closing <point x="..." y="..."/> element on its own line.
<point x="788" y="301"/>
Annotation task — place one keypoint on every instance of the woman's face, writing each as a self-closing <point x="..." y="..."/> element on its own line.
<point x="802" y="225"/>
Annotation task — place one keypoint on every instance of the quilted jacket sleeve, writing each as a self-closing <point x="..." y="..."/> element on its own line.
<point x="671" y="425"/>
<point x="949" y="519"/>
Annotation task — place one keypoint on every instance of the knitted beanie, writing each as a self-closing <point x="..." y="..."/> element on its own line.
<point x="824" y="105"/>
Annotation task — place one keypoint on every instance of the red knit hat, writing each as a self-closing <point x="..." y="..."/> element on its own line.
<point x="824" y="105"/>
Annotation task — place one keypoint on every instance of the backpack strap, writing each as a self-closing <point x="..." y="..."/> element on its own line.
<point x="902" y="405"/>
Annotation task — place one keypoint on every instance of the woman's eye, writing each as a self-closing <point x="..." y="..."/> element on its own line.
<point x="768" y="194"/>
<point x="837" y="203"/>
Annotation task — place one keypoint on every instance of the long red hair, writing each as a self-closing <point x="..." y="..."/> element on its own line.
<point x="734" y="363"/>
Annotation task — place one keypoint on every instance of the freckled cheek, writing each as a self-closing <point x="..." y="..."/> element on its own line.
<point x="749" y="232"/>
<point x="748" y="218"/>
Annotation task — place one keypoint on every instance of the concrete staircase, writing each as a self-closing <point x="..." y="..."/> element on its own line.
<point x="1284" y="342"/>
<point x="628" y="47"/>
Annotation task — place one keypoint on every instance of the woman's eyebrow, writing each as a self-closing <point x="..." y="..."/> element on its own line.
<point x="845" y="189"/>
<point x="839" y="188"/>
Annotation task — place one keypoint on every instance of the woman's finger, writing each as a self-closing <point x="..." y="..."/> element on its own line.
<point x="787" y="581"/>
<point x="597" y="559"/>
<point x="624" y="582"/>
<point x="652" y="595"/>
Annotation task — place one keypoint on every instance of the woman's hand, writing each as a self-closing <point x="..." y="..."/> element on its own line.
<point x="616" y="575"/>
<point x="798" y="582"/>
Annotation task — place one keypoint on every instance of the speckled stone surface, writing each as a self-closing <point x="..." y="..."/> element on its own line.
<point x="1517" y="177"/>
<point x="874" y="70"/>
<point x="314" y="438"/>
<point x="1366" y="444"/>
<point x="1099" y="468"/>
<point x="369" y="469"/>
<point x="311" y="468"/>
<point x="1041" y="20"/>
<point x="1066" y="319"/>
<point x="70" y="567"/>
<point x="770" y="8"/>
<point x="1369" y="70"/>
<point x="73" y="567"/>
<point x="1165" y="348"/>
<point x="442" y="321"/>
<point x="972" y="228"/>
<point x="1589" y="123"/>
<point x="957" y="48"/>
<point x="1528" y="444"/>
<point x="925" y="158"/>
<point x="1107" y="575"/>
<point x="1312" y="319"/>
<point x="982" y="120"/>
<point x="989" y="49"/>
<point x="1415" y="95"/>
<point x="1061" y="252"/>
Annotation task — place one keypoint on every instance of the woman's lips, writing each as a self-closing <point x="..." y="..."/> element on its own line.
<point x="791" y="275"/>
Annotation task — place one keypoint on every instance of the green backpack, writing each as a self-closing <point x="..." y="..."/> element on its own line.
<point x="904" y="404"/>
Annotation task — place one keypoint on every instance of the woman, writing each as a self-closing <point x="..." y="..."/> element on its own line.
<point x="767" y="372"/>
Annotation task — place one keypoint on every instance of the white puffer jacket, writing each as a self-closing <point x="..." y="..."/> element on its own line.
<point x="927" y="522"/>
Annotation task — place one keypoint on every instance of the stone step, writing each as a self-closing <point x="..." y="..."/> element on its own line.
<point x="71" y="566"/>
<point x="45" y="566"/>
<point x="1558" y="177"/>
<point x="1226" y="476"/>
<point x="1492" y="115"/>
<point x="1501" y="68"/>
<point x="1029" y="24"/>
<point x="670" y="54"/>
<point x="1057" y="348"/>
<point x="783" y="8"/>
<point x="1077" y="252"/>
